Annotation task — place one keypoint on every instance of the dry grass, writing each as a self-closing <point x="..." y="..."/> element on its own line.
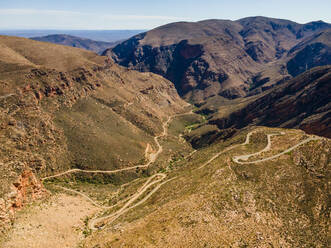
<point x="226" y="204"/>
<point x="21" y="51"/>
<point x="56" y="223"/>
<point x="68" y="109"/>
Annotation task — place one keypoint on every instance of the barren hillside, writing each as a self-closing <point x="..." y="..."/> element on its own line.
<point x="65" y="107"/>
<point x="221" y="57"/>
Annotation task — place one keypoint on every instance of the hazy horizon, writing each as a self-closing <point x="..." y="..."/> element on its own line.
<point x="138" y="29"/>
<point x="148" y="14"/>
<point x="98" y="35"/>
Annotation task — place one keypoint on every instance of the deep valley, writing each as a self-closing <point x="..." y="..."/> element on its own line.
<point x="194" y="134"/>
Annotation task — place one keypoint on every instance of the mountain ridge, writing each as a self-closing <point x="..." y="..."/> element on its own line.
<point x="63" y="107"/>
<point x="302" y="102"/>
<point x="74" y="41"/>
<point x="109" y="155"/>
<point x="215" y="56"/>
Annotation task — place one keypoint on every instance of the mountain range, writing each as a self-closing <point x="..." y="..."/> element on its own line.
<point x="226" y="58"/>
<point x="73" y="41"/>
<point x="97" y="35"/>
<point x="194" y="134"/>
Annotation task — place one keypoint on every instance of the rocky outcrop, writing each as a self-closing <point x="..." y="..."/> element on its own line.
<point x="25" y="189"/>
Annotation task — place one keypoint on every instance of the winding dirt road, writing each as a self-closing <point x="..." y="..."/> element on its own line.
<point x="128" y="205"/>
<point x="90" y="199"/>
<point x="93" y="224"/>
<point x="152" y="157"/>
<point x="130" y="200"/>
<point x="237" y="159"/>
<point x="267" y="148"/>
<point x="228" y="149"/>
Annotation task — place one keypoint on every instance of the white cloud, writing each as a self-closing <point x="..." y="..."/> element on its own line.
<point x="62" y="19"/>
<point x="36" y="11"/>
<point x="74" y="13"/>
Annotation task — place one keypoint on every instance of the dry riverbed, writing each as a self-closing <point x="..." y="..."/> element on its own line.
<point x="57" y="223"/>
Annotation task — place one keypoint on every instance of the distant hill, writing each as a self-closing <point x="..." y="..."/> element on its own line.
<point x="222" y="57"/>
<point x="98" y="35"/>
<point x="73" y="41"/>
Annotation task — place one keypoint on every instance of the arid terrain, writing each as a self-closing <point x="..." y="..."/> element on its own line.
<point x="207" y="134"/>
<point x="227" y="58"/>
<point x="54" y="108"/>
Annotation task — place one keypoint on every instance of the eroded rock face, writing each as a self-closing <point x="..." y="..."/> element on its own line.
<point x="181" y="63"/>
<point x="24" y="190"/>
<point x="303" y="102"/>
<point x="213" y="57"/>
<point x="310" y="53"/>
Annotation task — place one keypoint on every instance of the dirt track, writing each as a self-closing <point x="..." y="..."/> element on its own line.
<point x="237" y="159"/>
<point x="228" y="149"/>
<point x="152" y="157"/>
<point x="99" y="222"/>
<point x="5" y="96"/>
<point x="130" y="200"/>
<point x="127" y="206"/>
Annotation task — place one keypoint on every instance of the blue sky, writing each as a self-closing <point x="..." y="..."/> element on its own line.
<point x="146" y="14"/>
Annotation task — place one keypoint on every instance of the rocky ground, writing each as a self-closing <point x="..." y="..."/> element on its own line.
<point x="73" y="109"/>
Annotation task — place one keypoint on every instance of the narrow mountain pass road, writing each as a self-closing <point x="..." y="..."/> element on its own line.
<point x="98" y="223"/>
<point x="267" y="148"/>
<point x="154" y="179"/>
<point x="237" y="159"/>
<point x="228" y="149"/>
<point x="152" y="157"/>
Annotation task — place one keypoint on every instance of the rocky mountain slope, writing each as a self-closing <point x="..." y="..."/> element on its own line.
<point x="73" y="41"/>
<point x="64" y="107"/>
<point x="226" y="58"/>
<point x="214" y="201"/>
<point x="302" y="102"/>
<point x="313" y="51"/>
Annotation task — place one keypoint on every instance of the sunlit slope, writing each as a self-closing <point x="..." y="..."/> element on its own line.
<point x="65" y="107"/>
<point x="214" y="201"/>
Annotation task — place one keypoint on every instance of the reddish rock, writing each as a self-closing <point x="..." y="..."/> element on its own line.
<point x="26" y="188"/>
